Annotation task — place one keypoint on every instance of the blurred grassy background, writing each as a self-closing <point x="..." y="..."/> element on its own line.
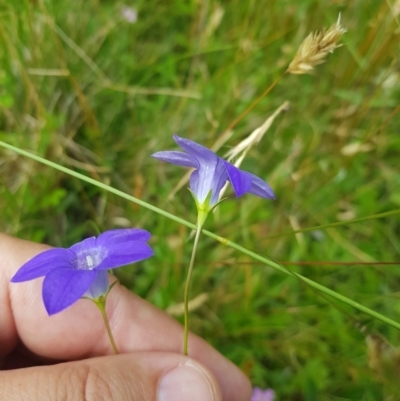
<point x="85" y="87"/>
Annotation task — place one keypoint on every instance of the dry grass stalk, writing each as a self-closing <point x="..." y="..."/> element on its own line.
<point x="195" y="303"/>
<point x="240" y="151"/>
<point x="314" y="49"/>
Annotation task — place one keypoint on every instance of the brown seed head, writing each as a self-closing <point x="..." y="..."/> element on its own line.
<point x="314" y="49"/>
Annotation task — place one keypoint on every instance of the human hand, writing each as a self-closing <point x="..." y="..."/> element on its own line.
<point x="68" y="355"/>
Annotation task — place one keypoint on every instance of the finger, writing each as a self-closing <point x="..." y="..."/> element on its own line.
<point x="146" y="376"/>
<point x="79" y="332"/>
<point x="13" y="253"/>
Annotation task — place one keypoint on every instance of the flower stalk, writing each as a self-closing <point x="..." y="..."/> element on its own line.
<point x="101" y="304"/>
<point x="224" y="136"/>
<point x="202" y="213"/>
<point x="187" y="286"/>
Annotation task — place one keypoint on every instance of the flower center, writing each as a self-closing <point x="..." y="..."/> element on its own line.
<point x="90" y="259"/>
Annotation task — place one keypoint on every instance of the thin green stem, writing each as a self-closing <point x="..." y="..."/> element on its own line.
<point x="101" y="304"/>
<point x="187" y="288"/>
<point x="224" y="241"/>
<point x="222" y="138"/>
<point x="336" y="224"/>
<point x="97" y="184"/>
<point x="311" y="283"/>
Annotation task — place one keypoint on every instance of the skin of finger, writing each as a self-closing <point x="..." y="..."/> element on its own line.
<point x="119" y="378"/>
<point x="12" y="251"/>
<point x="78" y="332"/>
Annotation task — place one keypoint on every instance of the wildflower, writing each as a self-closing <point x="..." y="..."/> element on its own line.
<point x="262" y="395"/>
<point x="129" y="14"/>
<point x="206" y="182"/>
<point x="211" y="172"/>
<point x="314" y="49"/>
<point x="81" y="270"/>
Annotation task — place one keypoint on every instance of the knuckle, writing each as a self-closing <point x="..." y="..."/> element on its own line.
<point x="114" y="384"/>
<point x="86" y="382"/>
<point x="98" y="385"/>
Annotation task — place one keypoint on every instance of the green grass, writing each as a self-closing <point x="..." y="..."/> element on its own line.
<point x="123" y="90"/>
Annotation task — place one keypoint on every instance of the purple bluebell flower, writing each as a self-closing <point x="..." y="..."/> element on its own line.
<point x="211" y="173"/>
<point x="262" y="395"/>
<point x="81" y="270"/>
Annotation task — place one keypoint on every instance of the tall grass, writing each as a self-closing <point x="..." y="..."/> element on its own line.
<point x="86" y="89"/>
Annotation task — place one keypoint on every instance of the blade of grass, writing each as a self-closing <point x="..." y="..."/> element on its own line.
<point x="106" y="82"/>
<point x="223" y="240"/>
<point x="336" y="224"/>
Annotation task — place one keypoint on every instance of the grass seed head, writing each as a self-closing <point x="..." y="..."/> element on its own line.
<point x="314" y="49"/>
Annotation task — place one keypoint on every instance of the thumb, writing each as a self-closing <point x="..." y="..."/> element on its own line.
<point x="141" y="376"/>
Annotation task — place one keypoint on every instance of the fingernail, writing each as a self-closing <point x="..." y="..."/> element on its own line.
<point x="187" y="382"/>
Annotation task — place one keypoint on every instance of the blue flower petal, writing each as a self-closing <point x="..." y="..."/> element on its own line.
<point x="209" y="177"/>
<point x="124" y="254"/>
<point x="260" y="188"/>
<point x="194" y="182"/>
<point x="42" y="264"/>
<point x="115" y="237"/>
<point x="199" y="152"/>
<point x="212" y="172"/>
<point x="84" y="246"/>
<point x="179" y="158"/>
<point x="99" y="286"/>
<point x="203" y="181"/>
<point x="219" y="179"/>
<point x="239" y="179"/>
<point x="63" y="287"/>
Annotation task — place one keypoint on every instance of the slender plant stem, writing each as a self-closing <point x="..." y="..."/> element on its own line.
<point x="97" y="184"/>
<point x="101" y="304"/>
<point x="244" y="113"/>
<point x="311" y="283"/>
<point x="187" y="287"/>
<point x="336" y="224"/>
<point x="223" y="240"/>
